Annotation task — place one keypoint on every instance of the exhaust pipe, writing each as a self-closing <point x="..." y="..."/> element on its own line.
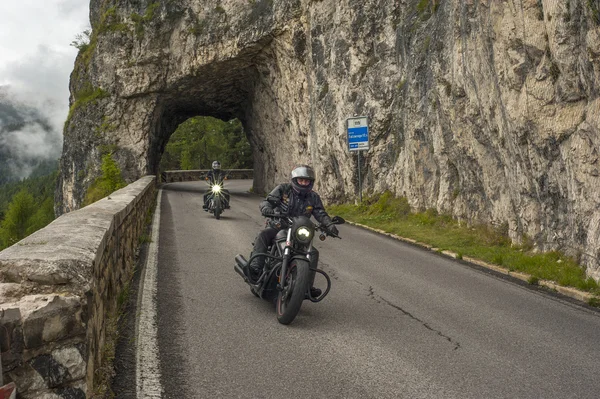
<point x="240" y="260"/>
<point x="241" y="263"/>
<point x="239" y="271"/>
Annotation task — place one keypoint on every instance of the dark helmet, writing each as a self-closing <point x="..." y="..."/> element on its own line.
<point x="303" y="172"/>
<point x="216" y="165"/>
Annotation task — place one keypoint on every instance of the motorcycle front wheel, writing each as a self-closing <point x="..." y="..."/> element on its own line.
<point x="217" y="211"/>
<point x="290" y="298"/>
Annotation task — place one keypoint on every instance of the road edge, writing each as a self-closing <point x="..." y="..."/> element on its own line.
<point x="148" y="374"/>
<point x="570" y="292"/>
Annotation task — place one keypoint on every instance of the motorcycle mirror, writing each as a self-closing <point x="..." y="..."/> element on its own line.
<point x="338" y="220"/>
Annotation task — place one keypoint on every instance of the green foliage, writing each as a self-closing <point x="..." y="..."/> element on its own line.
<point x="385" y="206"/>
<point x="110" y="181"/>
<point x="41" y="184"/>
<point x="533" y="280"/>
<point x="86" y="42"/>
<point x="82" y="40"/>
<point x="105" y="127"/>
<point x="110" y="22"/>
<point x="144" y="238"/>
<point x="141" y="20"/>
<point x="488" y="243"/>
<point x="201" y="140"/>
<point x="426" y="8"/>
<point x="594" y="8"/>
<point x="15" y="224"/>
<point x="25" y="207"/>
<point x="198" y="27"/>
<point x="87" y="95"/>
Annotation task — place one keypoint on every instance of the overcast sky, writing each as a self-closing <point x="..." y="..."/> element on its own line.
<point x="36" y="58"/>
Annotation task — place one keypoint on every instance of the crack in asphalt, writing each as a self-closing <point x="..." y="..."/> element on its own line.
<point x="380" y="299"/>
<point x="373" y="296"/>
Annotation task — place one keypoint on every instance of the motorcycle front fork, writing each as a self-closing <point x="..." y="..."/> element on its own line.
<point x="286" y="259"/>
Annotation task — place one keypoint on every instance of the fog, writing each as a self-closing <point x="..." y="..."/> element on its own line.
<point x="36" y="59"/>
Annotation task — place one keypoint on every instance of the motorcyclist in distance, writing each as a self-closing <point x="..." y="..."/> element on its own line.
<point x="215" y="176"/>
<point x="292" y="199"/>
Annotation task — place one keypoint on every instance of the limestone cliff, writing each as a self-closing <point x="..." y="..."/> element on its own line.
<point x="485" y="109"/>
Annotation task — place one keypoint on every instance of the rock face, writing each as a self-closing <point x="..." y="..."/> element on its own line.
<point x="488" y="110"/>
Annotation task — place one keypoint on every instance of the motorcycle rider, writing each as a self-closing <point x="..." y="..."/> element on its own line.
<point x="292" y="199"/>
<point x="215" y="176"/>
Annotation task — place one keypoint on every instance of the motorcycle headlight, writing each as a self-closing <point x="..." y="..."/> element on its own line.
<point x="216" y="189"/>
<point x="304" y="234"/>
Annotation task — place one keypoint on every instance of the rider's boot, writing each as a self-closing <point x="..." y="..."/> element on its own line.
<point x="253" y="271"/>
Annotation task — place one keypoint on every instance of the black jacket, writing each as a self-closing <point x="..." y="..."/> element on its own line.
<point x="309" y="204"/>
<point x="215" y="176"/>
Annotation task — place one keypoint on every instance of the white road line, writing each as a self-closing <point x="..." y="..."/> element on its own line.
<point x="147" y="362"/>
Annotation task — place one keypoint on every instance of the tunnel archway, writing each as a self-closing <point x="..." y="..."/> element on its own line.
<point x="258" y="78"/>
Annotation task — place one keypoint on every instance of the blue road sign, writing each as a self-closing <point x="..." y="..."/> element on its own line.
<point x="358" y="133"/>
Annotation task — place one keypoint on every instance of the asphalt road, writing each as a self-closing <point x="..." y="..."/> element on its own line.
<point x="400" y="322"/>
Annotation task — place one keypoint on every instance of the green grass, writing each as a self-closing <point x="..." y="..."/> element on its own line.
<point x="87" y="95"/>
<point x="490" y="244"/>
<point x="144" y="238"/>
<point x="141" y="20"/>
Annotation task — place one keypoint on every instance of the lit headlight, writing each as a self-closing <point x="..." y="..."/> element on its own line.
<point x="216" y="189"/>
<point x="304" y="235"/>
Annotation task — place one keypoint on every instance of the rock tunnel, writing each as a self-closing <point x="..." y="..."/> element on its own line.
<point x="143" y="87"/>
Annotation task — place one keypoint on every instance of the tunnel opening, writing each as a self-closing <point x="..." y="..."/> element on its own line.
<point x="200" y="140"/>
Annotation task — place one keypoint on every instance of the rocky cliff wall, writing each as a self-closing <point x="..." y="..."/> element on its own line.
<point x="485" y="109"/>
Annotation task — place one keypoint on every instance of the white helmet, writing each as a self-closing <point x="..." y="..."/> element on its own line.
<point x="303" y="172"/>
<point x="216" y="165"/>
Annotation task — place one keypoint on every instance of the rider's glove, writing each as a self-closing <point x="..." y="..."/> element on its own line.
<point x="268" y="212"/>
<point x="332" y="230"/>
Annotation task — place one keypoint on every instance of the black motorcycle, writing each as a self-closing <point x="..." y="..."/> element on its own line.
<point x="288" y="257"/>
<point x="216" y="201"/>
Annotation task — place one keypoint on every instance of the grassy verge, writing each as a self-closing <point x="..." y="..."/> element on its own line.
<point x="489" y="244"/>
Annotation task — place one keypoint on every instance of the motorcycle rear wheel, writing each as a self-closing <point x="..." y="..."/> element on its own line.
<point x="289" y="300"/>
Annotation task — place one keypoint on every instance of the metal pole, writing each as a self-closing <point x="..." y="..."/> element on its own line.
<point x="359" y="180"/>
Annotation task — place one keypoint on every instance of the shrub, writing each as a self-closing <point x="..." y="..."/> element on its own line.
<point x="110" y="181"/>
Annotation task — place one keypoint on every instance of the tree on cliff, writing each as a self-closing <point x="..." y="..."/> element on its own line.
<point x="24" y="216"/>
<point x="110" y="180"/>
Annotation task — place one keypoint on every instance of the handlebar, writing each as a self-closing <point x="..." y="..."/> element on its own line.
<point x="284" y="221"/>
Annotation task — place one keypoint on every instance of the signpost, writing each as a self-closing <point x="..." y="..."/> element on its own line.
<point x="358" y="140"/>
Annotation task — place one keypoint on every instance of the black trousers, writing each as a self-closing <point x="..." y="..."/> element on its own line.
<point x="261" y="244"/>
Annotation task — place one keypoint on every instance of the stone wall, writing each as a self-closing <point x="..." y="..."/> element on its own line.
<point x="171" y="176"/>
<point x="59" y="286"/>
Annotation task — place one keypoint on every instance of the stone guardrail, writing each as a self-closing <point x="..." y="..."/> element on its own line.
<point x="171" y="176"/>
<point x="59" y="288"/>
